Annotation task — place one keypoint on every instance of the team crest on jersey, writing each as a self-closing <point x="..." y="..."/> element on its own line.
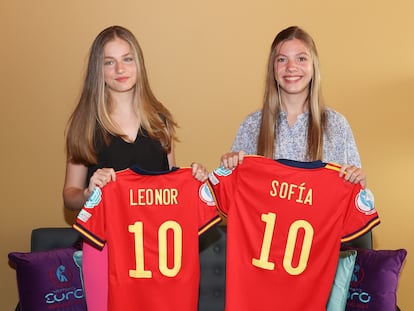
<point x="94" y="198"/>
<point x="205" y="195"/>
<point x="365" y="202"/>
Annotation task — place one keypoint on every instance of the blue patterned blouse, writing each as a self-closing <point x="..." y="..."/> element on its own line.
<point x="338" y="142"/>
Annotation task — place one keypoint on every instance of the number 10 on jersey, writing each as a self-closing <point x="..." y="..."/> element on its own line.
<point x="263" y="262"/>
<point x="137" y="230"/>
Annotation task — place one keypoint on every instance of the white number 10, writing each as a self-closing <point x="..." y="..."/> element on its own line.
<point x="263" y="262"/>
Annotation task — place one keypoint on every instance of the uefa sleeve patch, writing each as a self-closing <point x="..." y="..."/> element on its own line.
<point x="205" y="195"/>
<point x="94" y="198"/>
<point x="222" y="171"/>
<point x="364" y="201"/>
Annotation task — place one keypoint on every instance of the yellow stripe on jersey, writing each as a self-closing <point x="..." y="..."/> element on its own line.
<point x="215" y="221"/>
<point x="370" y="226"/>
<point x="88" y="236"/>
<point x="333" y="166"/>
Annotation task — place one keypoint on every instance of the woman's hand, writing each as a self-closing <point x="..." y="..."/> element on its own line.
<point x="231" y="159"/>
<point x="100" y="178"/>
<point x="353" y="174"/>
<point x="199" y="172"/>
<point x="74" y="192"/>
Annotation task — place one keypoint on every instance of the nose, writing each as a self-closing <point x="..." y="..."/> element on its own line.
<point x="119" y="67"/>
<point x="291" y="66"/>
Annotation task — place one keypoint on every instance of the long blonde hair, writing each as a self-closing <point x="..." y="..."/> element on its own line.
<point x="272" y="105"/>
<point x="90" y="122"/>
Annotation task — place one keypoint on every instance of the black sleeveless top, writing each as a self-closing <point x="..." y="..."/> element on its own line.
<point x="145" y="153"/>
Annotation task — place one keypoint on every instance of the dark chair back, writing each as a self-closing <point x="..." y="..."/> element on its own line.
<point x="45" y="239"/>
<point x="212" y="269"/>
<point x="364" y="241"/>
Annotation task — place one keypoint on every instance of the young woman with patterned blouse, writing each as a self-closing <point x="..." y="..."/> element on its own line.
<point x="294" y="122"/>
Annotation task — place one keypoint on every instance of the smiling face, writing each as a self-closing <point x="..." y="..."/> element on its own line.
<point x="293" y="67"/>
<point x="120" y="67"/>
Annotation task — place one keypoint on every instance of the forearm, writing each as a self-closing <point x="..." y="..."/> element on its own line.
<point x="75" y="198"/>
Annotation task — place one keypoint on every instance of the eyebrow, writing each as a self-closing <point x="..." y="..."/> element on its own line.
<point x="298" y="54"/>
<point x="127" y="54"/>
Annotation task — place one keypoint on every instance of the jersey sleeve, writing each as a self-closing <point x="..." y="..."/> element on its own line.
<point x="361" y="214"/>
<point x="222" y="186"/>
<point x="208" y="215"/>
<point x="207" y="211"/>
<point x="90" y="221"/>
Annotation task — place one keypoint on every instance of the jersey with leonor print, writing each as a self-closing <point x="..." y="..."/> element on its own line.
<point x="151" y="224"/>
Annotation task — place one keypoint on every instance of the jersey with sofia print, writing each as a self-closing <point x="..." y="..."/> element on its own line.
<point x="286" y="221"/>
<point x="151" y="223"/>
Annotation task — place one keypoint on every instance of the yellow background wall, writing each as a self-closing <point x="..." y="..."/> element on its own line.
<point x="206" y="61"/>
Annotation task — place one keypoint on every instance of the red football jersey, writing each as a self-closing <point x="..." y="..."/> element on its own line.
<point x="285" y="226"/>
<point x="151" y="224"/>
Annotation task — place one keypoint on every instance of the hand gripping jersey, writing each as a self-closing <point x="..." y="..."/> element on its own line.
<point x="151" y="225"/>
<point x="285" y="226"/>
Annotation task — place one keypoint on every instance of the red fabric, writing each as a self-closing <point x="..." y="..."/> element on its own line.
<point x="285" y="226"/>
<point x="150" y="224"/>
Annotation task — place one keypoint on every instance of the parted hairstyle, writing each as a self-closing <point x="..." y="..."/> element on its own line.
<point x="90" y="122"/>
<point x="272" y="105"/>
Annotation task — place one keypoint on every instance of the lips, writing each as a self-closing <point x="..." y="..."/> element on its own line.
<point x="292" y="78"/>
<point x="122" y="79"/>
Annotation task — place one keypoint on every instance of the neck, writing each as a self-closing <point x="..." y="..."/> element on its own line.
<point x="122" y="102"/>
<point x="294" y="104"/>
